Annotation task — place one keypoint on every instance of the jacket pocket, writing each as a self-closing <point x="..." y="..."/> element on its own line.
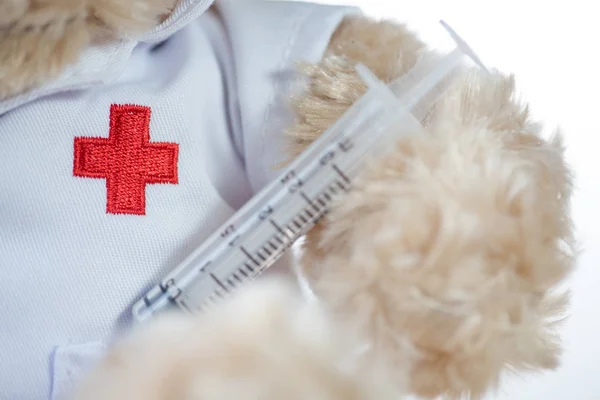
<point x="70" y="363"/>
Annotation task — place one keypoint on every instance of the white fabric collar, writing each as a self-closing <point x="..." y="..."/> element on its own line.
<point x="185" y="12"/>
<point x="102" y="63"/>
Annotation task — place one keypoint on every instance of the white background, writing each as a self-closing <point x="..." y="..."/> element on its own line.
<point x="553" y="49"/>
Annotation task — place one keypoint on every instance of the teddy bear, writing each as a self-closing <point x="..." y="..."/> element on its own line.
<point x="439" y="270"/>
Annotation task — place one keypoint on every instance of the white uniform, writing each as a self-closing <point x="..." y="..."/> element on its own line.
<point x="113" y="173"/>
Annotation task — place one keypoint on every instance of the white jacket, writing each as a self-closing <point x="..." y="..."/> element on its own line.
<point x="113" y="173"/>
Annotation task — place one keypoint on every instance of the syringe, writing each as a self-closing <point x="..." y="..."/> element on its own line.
<point x="261" y="231"/>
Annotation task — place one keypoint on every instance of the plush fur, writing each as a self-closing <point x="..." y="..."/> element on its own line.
<point x="450" y="248"/>
<point x="266" y="343"/>
<point x="40" y="38"/>
<point x="444" y="259"/>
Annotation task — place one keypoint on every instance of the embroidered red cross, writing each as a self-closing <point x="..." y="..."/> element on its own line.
<point x="126" y="159"/>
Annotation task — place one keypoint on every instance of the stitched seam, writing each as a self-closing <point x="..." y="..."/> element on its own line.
<point x="271" y="102"/>
<point x="175" y="20"/>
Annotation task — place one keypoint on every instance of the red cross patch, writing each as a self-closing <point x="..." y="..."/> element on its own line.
<point x="126" y="159"/>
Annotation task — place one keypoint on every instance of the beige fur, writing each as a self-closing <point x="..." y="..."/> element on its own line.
<point x="450" y="247"/>
<point x="265" y="343"/>
<point x="39" y="38"/>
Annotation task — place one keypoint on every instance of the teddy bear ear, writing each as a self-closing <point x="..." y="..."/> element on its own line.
<point x="131" y="16"/>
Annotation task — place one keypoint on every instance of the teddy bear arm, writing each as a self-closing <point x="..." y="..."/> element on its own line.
<point x="446" y="252"/>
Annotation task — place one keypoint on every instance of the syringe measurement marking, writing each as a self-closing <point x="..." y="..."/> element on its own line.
<point x="300" y="216"/>
<point x="280" y="230"/>
<point x="296" y="229"/>
<point x="310" y="202"/>
<point x="278" y="250"/>
<point x="249" y="255"/>
<point x="261" y="256"/>
<point x="340" y="173"/>
<point x="218" y="282"/>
